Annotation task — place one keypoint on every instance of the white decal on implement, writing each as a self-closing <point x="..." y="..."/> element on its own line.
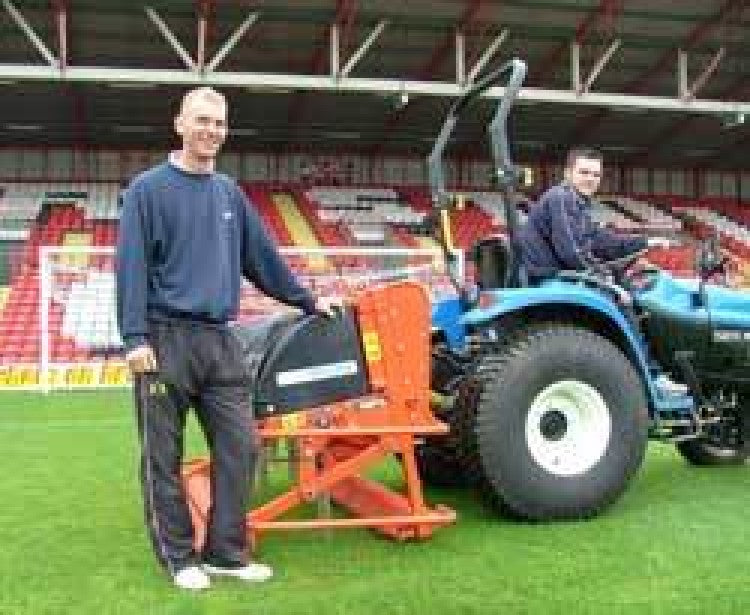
<point x="317" y="372"/>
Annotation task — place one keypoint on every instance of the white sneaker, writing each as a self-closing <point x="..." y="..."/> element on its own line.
<point x="251" y="573"/>
<point x="192" y="578"/>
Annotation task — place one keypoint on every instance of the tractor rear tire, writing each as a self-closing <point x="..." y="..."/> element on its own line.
<point x="709" y="451"/>
<point x="700" y="452"/>
<point x="560" y="427"/>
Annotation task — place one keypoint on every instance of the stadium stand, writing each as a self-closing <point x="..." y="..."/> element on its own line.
<point x="85" y="214"/>
<point x="4" y="294"/>
<point x="329" y="231"/>
<point x="735" y="236"/>
<point x="644" y="211"/>
<point x="296" y="223"/>
<point x="260" y="196"/>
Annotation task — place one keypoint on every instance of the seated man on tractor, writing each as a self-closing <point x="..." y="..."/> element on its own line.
<point x="559" y="233"/>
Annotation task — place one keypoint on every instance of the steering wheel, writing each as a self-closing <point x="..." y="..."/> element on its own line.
<point x="617" y="270"/>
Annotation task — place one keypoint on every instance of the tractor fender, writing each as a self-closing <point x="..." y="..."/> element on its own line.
<point x="506" y="301"/>
<point x="576" y="304"/>
<point x="446" y="321"/>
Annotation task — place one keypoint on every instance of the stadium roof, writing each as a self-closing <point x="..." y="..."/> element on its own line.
<point x="659" y="81"/>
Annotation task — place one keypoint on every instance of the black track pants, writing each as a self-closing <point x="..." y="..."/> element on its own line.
<point x="200" y="366"/>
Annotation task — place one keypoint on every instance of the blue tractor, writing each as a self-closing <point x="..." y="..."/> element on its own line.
<point x="552" y="391"/>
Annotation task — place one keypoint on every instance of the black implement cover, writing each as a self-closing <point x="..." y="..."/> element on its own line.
<point x="303" y="362"/>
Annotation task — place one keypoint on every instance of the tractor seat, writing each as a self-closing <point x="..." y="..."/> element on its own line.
<point x="496" y="263"/>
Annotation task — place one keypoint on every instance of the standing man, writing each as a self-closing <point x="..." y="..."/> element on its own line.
<point x="187" y="236"/>
<point x="559" y="233"/>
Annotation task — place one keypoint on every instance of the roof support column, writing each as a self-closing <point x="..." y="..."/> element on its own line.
<point x="362" y="49"/>
<point x="26" y="28"/>
<point x="171" y="38"/>
<point x="232" y="41"/>
<point x="487" y="55"/>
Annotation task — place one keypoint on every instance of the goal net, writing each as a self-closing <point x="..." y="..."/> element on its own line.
<point x="79" y="341"/>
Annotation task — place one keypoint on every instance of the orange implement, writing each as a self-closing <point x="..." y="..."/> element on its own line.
<point x="337" y="443"/>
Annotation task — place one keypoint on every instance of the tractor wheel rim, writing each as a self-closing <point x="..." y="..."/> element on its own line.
<point x="568" y="428"/>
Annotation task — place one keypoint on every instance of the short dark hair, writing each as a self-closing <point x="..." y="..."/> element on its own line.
<point x="574" y="153"/>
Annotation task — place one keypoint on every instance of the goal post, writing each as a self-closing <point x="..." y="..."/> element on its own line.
<point x="79" y="342"/>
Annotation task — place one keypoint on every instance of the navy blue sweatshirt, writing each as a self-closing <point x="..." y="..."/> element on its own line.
<point x="185" y="242"/>
<point x="559" y="234"/>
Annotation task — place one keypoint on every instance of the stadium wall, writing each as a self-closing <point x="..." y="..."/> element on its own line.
<point x="48" y="164"/>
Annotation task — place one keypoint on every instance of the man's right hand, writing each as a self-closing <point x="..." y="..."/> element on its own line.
<point x="141" y="359"/>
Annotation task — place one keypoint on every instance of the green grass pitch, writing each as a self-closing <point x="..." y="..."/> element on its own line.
<point x="73" y="539"/>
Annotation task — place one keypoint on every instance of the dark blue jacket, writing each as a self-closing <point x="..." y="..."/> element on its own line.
<point x="559" y="234"/>
<point x="185" y="242"/>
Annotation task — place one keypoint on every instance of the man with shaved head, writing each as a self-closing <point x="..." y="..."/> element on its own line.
<point x="187" y="236"/>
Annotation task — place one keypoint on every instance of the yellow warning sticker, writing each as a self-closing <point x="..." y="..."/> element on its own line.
<point x="371" y="342"/>
<point x="291" y="422"/>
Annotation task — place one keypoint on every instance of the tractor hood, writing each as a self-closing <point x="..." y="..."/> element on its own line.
<point x="712" y="323"/>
